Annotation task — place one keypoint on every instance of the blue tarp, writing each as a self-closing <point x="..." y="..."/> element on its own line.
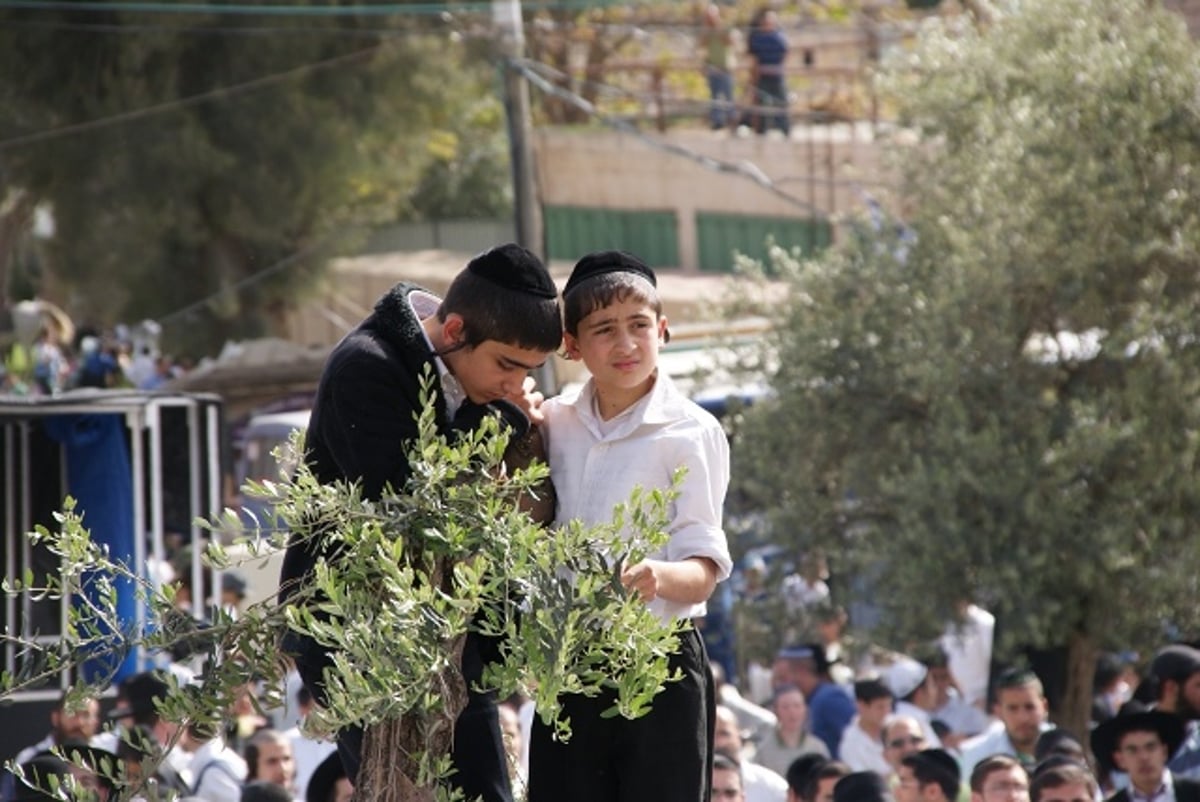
<point x="98" y="478"/>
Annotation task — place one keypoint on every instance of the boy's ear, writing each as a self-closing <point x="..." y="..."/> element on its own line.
<point x="452" y="330"/>
<point x="570" y="346"/>
<point x="664" y="333"/>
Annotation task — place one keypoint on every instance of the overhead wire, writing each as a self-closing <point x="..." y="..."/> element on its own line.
<point x="531" y="70"/>
<point x="743" y="169"/>
<point x="219" y="93"/>
<point x="291" y="9"/>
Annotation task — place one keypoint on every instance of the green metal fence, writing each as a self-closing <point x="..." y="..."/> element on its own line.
<point x="572" y="231"/>
<point x="719" y="235"/>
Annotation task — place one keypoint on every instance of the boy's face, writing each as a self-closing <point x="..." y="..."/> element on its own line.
<point x="491" y="370"/>
<point x="875" y="711"/>
<point x="619" y="344"/>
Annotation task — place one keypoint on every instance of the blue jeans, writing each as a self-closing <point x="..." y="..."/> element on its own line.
<point x="720" y="90"/>
<point x="771" y="94"/>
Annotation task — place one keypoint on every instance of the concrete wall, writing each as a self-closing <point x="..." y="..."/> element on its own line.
<point x="821" y="171"/>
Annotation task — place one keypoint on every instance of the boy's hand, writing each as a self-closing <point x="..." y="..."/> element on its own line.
<point x="642" y="578"/>
<point x="530" y="400"/>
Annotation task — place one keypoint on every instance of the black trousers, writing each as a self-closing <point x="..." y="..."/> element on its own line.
<point x="664" y="756"/>
<point x="478" y="756"/>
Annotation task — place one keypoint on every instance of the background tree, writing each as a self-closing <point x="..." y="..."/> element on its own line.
<point x="206" y="164"/>
<point x="1000" y="402"/>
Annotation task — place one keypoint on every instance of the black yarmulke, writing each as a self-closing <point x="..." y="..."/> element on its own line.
<point x="601" y="262"/>
<point x="514" y="268"/>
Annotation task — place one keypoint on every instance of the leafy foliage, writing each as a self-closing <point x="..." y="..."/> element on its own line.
<point x="415" y="571"/>
<point x="997" y="400"/>
<point x="211" y="148"/>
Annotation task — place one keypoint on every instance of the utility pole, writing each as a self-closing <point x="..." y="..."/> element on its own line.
<point x="506" y="15"/>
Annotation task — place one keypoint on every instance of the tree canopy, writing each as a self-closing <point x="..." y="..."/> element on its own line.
<point x="199" y="167"/>
<point x="997" y="399"/>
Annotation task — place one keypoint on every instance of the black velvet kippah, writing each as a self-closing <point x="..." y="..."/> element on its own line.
<point x="514" y="268"/>
<point x="601" y="262"/>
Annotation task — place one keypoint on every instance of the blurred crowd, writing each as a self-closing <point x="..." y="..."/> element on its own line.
<point x="49" y="355"/>
<point x="815" y="714"/>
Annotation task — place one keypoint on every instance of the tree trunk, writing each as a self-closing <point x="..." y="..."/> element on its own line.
<point x="16" y="210"/>
<point x="394" y="750"/>
<point x="1076" y="709"/>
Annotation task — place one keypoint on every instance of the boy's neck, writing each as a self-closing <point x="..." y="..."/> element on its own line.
<point x="612" y="401"/>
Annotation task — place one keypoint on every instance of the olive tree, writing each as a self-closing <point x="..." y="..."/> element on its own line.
<point x="997" y="398"/>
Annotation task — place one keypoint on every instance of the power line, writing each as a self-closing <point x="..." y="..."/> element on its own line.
<point x="251" y="279"/>
<point x="209" y="30"/>
<point x="743" y="169"/>
<point x="181" y="103"/>
<point x="289" y="9"/>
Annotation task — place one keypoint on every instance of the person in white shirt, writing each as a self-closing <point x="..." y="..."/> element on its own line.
<point x="909" y="682"/>
<point x="307" y="752"/>
<point x="967" y="643"/>
<point x="217" y="771"/>
<point x="862" y="742"/>
<point x="1022" y="708"/>
<point x="630" y="426"/>
<point x="78" y="723"/>
<point x="759" y="782"/>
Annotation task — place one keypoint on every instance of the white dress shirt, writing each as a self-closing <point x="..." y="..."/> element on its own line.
<point x="218" y="772"/>
<point x="863" y="752"/>
<point x="595" y="464"/>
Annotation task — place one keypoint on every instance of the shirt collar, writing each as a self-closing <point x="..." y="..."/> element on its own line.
<point x="664" y="405"/>
<point x="1165" y="791"/>
<point x="425" y="305"/>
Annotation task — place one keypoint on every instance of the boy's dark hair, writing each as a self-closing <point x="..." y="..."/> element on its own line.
<point x="1058" y="776"/>
<point x="1016" y="678"/>
<point x="724" y="760"/>
<point x="263" y="791"/>
<point x="868" y="690"/>
<point x="601" y="290"/>
<point x="1057" y="742"/>
<point x="505" y="295"/>
<point x="935" y="766"/>
<point x="801" y="768"/>
<point x="812" y="783"/>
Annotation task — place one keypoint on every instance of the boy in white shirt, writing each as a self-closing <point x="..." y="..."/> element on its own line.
<point x="630" y="426"/>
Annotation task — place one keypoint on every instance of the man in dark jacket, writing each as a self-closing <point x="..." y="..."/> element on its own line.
<point x="1138" y="742"/>
<point x="499" y="320"/>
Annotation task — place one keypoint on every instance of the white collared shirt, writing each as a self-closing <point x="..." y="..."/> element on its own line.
<point x="1164" y="793"/>
<point x="425" y="305"/>
<point x="861" y="751"/>
<point x="596" y="464"/>
<point x="218" y="772"/>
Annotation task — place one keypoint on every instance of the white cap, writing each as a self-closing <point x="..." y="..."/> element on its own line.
<point x="904" y="676"/>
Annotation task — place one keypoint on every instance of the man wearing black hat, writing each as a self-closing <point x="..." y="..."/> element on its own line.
<point x="1176" y="670"/>
<point x="1138" y="742"/>
<point x="499" y="320"/>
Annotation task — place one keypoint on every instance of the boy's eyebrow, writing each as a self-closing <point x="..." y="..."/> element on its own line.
<point x="614" y="318"/>
<point x="516" y="363"/>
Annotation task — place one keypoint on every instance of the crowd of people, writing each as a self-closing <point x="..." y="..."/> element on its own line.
<point x="823" y="719"/>
<point x="903" y="732"/>
<point x="61" y="358"/>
